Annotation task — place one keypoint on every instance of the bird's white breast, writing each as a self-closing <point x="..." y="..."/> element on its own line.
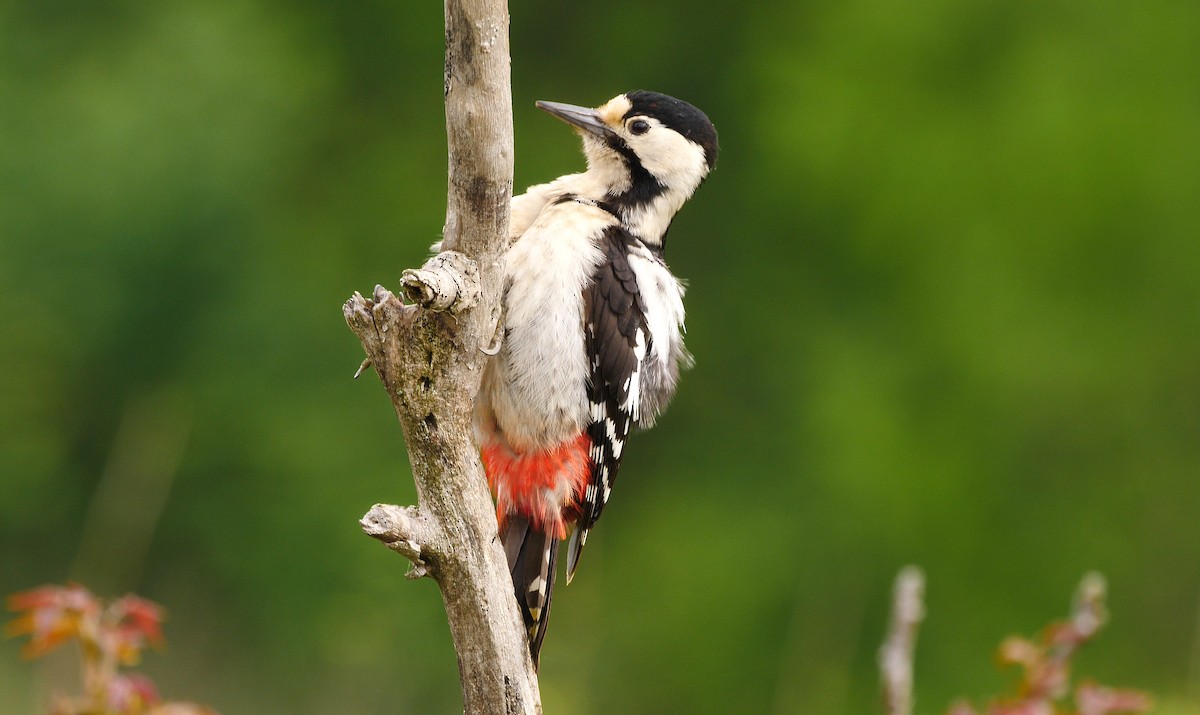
<point x="534" y="386"/>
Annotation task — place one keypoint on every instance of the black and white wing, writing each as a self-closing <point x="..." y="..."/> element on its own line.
<point x="617" y="340"/>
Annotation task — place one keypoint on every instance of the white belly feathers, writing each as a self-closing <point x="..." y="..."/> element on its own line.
<point x="536" y="397"/>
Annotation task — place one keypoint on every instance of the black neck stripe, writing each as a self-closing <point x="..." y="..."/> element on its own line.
<point x="643" y="186"/>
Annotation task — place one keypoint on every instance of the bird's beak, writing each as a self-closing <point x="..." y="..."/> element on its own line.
<point x="585" y="118"/>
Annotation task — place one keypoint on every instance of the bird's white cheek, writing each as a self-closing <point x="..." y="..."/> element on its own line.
<point x="667" y="154"/>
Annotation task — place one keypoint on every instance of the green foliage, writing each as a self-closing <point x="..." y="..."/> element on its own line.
<point x="943" y="302"/>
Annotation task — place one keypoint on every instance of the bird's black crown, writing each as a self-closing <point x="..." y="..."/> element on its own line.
<point x="677" y="114"/>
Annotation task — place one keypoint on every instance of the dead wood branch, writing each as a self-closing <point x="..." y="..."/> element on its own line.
<point x="430" y="361"/>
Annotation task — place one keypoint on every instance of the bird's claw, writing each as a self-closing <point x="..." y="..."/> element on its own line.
<point x="494" y="348"/>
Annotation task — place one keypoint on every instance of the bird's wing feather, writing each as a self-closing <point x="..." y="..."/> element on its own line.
<point x="617" y="341"/>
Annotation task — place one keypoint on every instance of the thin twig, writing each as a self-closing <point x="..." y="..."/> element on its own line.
<point x="896" y="655"/>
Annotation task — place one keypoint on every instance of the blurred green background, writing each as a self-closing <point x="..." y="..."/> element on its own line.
<point x="944" y="299"/>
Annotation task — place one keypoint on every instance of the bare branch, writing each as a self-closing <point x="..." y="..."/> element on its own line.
<point x="430" y="357"/>
<point x="896" y="655"/>
<point x="404" y="530"/>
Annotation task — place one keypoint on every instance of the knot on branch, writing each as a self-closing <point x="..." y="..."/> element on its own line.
<point x="447" y="282"/>
<point x="404" y="530"/>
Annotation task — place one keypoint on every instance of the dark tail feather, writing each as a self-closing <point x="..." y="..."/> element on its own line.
<point x="574" y="549"/>
<point x="531" y="556"/>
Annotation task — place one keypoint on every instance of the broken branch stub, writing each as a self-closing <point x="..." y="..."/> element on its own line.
<point x="447" y="282"/>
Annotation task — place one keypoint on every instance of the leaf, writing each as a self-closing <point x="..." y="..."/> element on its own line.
<point x="130" y="623"/>
<point x="131" y="694"/>
<point x="51" y="615"/>
<point x="1094" y="699"/>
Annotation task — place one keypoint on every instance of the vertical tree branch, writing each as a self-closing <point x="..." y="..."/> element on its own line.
<point x="896" y="655"/>
<point x="429" y="358"/>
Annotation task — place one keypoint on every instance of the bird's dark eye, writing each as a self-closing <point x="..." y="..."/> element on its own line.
<point x="639" y="126"/>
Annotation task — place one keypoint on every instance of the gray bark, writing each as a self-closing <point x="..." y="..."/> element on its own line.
<point x="429" y="356"/>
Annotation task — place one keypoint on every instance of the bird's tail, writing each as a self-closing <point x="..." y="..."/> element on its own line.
<point x="531" y="555"/>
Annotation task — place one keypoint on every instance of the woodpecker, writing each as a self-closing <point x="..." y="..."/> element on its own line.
<point x="593" y="335"/>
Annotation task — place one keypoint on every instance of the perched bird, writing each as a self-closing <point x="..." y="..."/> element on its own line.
<point x="593" y="337"/>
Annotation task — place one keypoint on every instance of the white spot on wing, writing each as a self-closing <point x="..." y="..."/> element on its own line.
<point x="633" y="395"/>
<point x="664" y="303"/>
